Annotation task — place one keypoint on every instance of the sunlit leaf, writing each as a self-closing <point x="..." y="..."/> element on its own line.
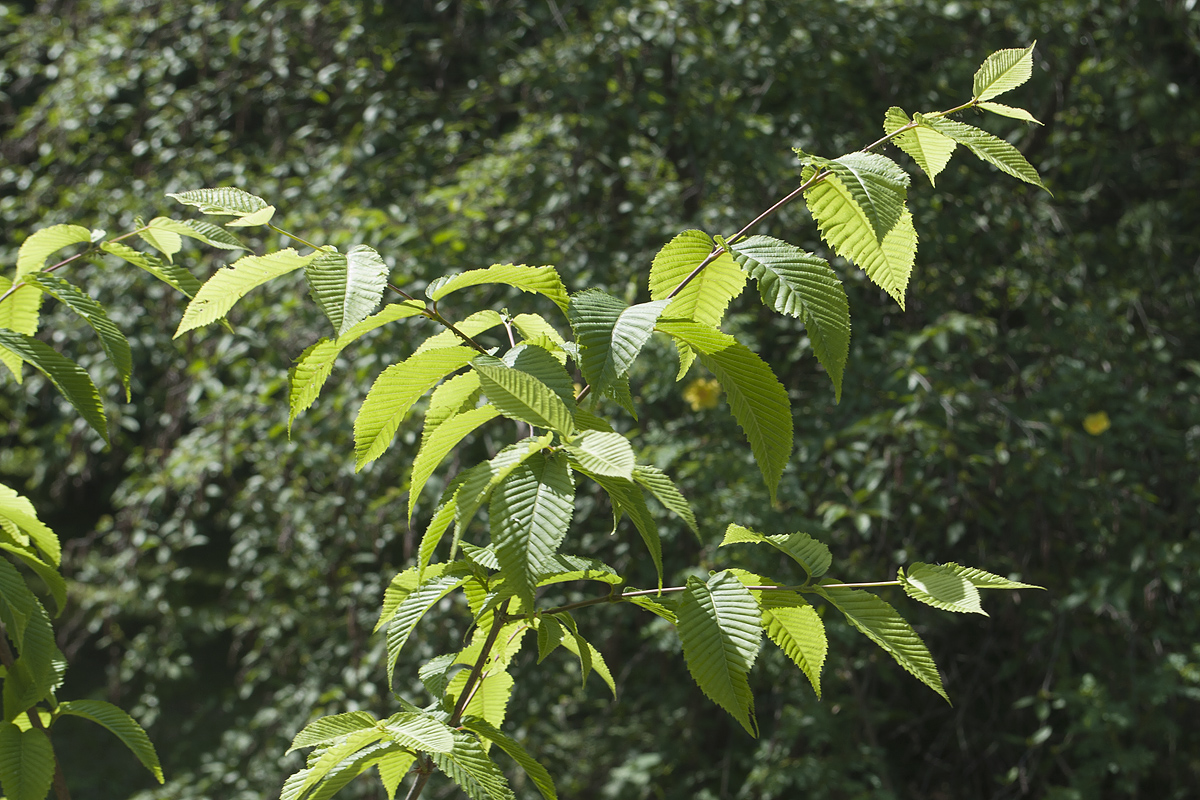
<point x="542" y="280"/>
<point x="1003" y="71"/>
<point x="986" y="147"/>
<point x="930" y="149"/>
<point x="530" y="512"/>
<point x="347" y="286"/>
<point x="230" y="284"/>
<point x="115" y="345"/>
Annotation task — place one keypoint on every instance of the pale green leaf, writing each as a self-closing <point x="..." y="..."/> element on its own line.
<point x="222" y="201"/>
<point x="393" y="394"/>
<point x="941" y="587"/>
<point x="331" y="762"/>
<point x="419" y="731"/>
<point x="517" y="752"/>
<point x="587" y="654"/>
<point x="847" y="229"/>
<point x="116" y="346"/>
<point x="435" y="531"/>
<point x="627" y="498"/>
<point x="177" y="277"/>
<point x="541" y="364"/>
<point x="533" y="326"/>
<point x="469" y="767"/>
<point x="562" y="568"/>
<point x="880" y="623"/>
<point x="230" y="284"/>
<point x="26" y="763"/>
<point x="472" y="326"/>
<point x="1009" y="111"/>
<point x="523" y="397"/>
<point x="530" y="512"/>
<point x="603" y="454"/>
<point x="437" y="446"/>
<point x="479" y="482"/>
<point x="874" y="183"/>
<point x="986" y="147"/>
<point x="758" y="401"/>
<point x="986" y="580"/>
<point x="18" y="312"/>
<point x="813" y="556"/>
<point x="1003" y="71"/>
<point x="198" y="229"/>
<point x="930" y="149"/>
<point x="71" y="380"/>
<point x="799" y="632"/>
<point x="164" y="240"/>
<point x="327" y="729"/>
<point x="260" y="217"/>
<point x="392" y="769"/>
<point x="720" y="627"/>
<point x="401" y="586"/>
<point x="550" y="636"/>
<point x="21" y="511"/>
<point x="451" y="398"/>
<point x="542" y="280"/>
<point x="411" y="609"/>
<point x="315" y="364"/>
<point x="347" y="286"/>
<point x="802" y="285"/>
<point x="49" y="575"/>
<point x="665" y="491"/>
<point x="435" y="673"/>
<point x="43" y="243"/>
<point x="490" y="699"/>
<point x="121" y="725"/>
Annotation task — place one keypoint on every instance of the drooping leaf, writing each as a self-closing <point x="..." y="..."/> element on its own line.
<point x="392" y="769"/>
<point x="469" y="767"/>
<point x="627" y="498"/>
<point x="18" y="312"/>
<point x="331" y="763"/>
<point x="848" y="230"/>
<point x="930" y="149"/>
<point x="1003" y="71"/>
<point x="813" y="556"/>
<point x="523" y="397"/>
<point x="121" y="725"/>
<point x="71" y="380"/>
<point x="530" y="512"/>
<point x="116" y="346"/>
<point x="347" y="286"/>
<point x="986" y="580"/>
<point x="719" y="625"/>
<point x="550" y="636"/>
<point x="230" y="284"/>
<point x="18" y="509"/>
<point x="758" y="401"/>
<point x="327" y="729"/>
<point x="802" y="285"/>
<point x="880" y="623"/>
<point x="665" y="491"/>
<point x="489" y="700"/>
<point x="221" y="201"/>
<point x="435" y="531"/>
<point x="1010" y="112"/>
<point x="315" y="364"/>
<point x="26" y="762"/>
<point x="410" y="611"/>
<point x="393" y="394"/>
<point x="451" y="398"/>
<point x="875" y="184"/>
<point x="49" y="575"/>
<point x="164" y="240"/>
<point x="517" y="752"/>
<point x="986" y="147"/>
<point x="603" y="454"/>
<point x="201" y="230"/>
<point x="800" y="634"/>
<point x="542" y="280"/>
<point x="177" y="277"/>
<point x="587" y="654"/>
<point x="444" y="439"/>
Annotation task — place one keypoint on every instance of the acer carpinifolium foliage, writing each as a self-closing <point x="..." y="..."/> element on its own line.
<point x="565" y="353"/>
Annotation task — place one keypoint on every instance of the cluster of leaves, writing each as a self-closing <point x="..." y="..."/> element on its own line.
<point x="858" y="202"/>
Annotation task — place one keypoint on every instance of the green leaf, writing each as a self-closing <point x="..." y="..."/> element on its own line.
<point x="802" y="285"/>
<point x="230" y="284"/>
<point x="550" y="636"/>
<point x="452" y="397"/>
<point x="201" y="230"/>
<point x="53" y="580"/>
<point x="260" y="217"/>
<point x="986" y="147"/>
<point x="392" y="769"/>
<point x="542" y="280"/>
<point x="472" y="326"/>
<point x="420" y="731"/>
<point x="327" y="729"/>
<point x="719" y="625"/>
<point x="880" y="623"/>
<point x="799" y="633"/>
<point x="18" y="312"/>
<point x="603" y="454"/>
<point x="435" y="531"/>
<point x="1009" y="111"/>
<point x="43" y="243"/>
<point x="523" y="397"/>
<point x="1003" y="71"/>
<point x="164" y="240"/>
<point x="17" y="603"/>
<point x="530" y="512"/>
<point x="590" y="659"/>
<point x="758" y="401"/>
<point x="116" y="346"/>
<point x="410" y="611"/>
<point x="875" y="184"/>
<point x="517" y="752"/>
<point x="315" y="364"/>
<point x="806" y="551"/>
<point x="121" y="725"/>
<point x="930" y="149"/>
<point x="393" y="394"/>
<point x="347" y="286"/>
<point x="178" y="278"/>
<point x="542" y="364"/>
<point x="562" y="568"/>
<point x="435" y="673"/>
<point x="627" y="498"/>
<point x="437" y="445"/>
<point x="941" y="587"/>
<point x="482" y="479"/>
<point x="26" y="762"/>
<point x="71" y="380"/>
<point x="533" y="326"/>
<point x="664" y="490"/>
<point x="222" y="201"/>
<point x="469" y="767"/>
<point x="331" y="763"/>
<point x="401" y="586"/>
<point x="490" y="698"/>
<point x="707" y="296"/>
<point x="18" y="509"/>
<point x="986" y="580"/>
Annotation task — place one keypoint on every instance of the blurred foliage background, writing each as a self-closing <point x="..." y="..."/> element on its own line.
<point x="227" y="577"/>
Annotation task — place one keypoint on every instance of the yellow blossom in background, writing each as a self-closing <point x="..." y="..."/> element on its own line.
<point x="702" y="393"/>
<point x="1097" y="423"/>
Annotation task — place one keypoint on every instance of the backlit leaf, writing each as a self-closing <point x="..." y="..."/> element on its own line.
<point x="875" y="184"/>
<point x="536" y="772"/>
<point x="523" y="397"/>
<point x="469" y="767"/>
<point x="1003" y="71"/>
<point x="177" y="277"/>
<point x="799" y="632"/>
<point x="603" y="454"/>
<point x="326" y="729"/>
<point x="542" y="280"/>
<point x="439" y="444"/>
<point x="198" y="229"/>
<point x="986" y="147"/>
<point x="411" y="609"/>
<point x="665" y="491"/>
<point x="986" y="580"/>
<point x="230" y="284"/>
<point x="941" y="587"/>
<point x="224" y="201"/>
<point x="813" y="556"/>
<point x="930" y="149"/>
<point x="1009" y="111"/>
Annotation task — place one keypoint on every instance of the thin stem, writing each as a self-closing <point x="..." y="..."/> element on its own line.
<point x="293" y="237"/>
<point x="858" y="585"/>
<point x="620" y="598"/>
